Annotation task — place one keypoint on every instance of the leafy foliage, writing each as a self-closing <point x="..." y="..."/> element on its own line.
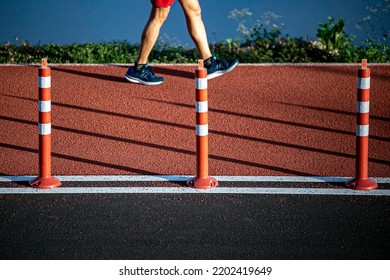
<point x="115" y="52"/>
<point x="261" y="41"/>
<point x="333" y="36"/>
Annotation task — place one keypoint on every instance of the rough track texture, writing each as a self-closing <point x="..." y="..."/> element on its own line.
<point x="263" y="120"/>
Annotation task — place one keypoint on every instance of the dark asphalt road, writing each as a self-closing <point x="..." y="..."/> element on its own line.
<point x="193" y="226"/>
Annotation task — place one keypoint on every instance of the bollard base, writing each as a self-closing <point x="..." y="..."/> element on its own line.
<point x="365" y="184"/>
<point x="202" y="183"/>
<point x="49" y="182"/>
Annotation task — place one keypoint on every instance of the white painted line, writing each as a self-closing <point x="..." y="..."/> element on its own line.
<point x="326" y="64"/>
<point x="298" y="179"/>
<point x="183" y="190"/>
<point x="183" y="178"/>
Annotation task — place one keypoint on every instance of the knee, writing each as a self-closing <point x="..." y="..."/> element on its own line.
<point x="196" y="11"/>
<point x="160" y="15"/>
<point x="193" y="10"/>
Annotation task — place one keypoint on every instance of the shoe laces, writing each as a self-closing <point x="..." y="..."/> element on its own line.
<point x="146" y="72"/>
<point x="218" y="62"/>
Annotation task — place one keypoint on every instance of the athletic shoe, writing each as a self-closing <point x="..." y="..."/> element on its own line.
<point x="144" y="76"/>
<point x="219" y="67"/>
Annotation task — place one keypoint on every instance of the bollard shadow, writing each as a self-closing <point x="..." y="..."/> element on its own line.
<point x="349" y="70"/>
<point x="78" y="159"/>
<point x="328" y="110"/>
<point x="216" y="132"/>
<point x="173" y="72"/>
<point x="15" y="183"/>
<point x="139" y="143"/>
<point x="265" y="119"/>
<point x="333" y="69"/>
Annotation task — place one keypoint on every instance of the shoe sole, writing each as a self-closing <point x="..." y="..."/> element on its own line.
<point x="138" y="81"/>
<point x="221" y="72"/>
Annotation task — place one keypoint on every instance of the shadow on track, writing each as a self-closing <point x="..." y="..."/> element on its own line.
<point x="91" y="75"/>
<point x="140" y="143"/>
<point x="221" y="133"/>
<point x="259" y="118"/>
<point x="79" y="159"/>
<point x="335" y="111"/>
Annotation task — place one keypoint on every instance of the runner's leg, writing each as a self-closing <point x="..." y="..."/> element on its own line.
<point x="195" y="26"/>
<point x="151" y="32"/>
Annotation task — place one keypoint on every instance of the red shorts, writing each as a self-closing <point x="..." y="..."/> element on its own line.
<point x="162" y="3"/>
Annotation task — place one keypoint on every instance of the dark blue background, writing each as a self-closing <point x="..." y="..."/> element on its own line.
<point x="44" y="21"/>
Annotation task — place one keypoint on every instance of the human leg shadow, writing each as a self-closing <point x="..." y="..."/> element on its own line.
<point x="173" y="72"/>
<point x="91" y="75"/>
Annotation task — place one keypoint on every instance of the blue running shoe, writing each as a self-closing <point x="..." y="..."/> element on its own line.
<point x="143" y="76"/>
<point x="217" y="67"/>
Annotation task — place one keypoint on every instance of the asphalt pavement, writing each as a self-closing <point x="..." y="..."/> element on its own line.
<point x="193" y="226"/>
<point x="265" y="120"/>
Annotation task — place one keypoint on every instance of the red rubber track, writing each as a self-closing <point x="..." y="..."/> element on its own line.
<point x="263" y="120"/>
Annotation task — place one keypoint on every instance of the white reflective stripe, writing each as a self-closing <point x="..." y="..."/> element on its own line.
<point x="44" y="82"/>
<point x="363" y="107"/>
<point x="44" y="128"/>
<point x="200" y="83"/>
<point x="362" y="130"/>
<point x="202" y="129"/>
<point x="44" y="106"/>
<point x="364" y="83"/>
<point x="193" y="191"/>
<point x="202" y="107"/>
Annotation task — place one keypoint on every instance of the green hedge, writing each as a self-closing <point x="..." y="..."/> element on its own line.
<point x="262" y="42"/>
<point x="264" y="50"/>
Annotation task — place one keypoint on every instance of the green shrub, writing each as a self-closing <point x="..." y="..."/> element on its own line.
<point x="261" y="41"/>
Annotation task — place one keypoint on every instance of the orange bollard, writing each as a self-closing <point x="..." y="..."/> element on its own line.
<point x="202" y="179"/>
<point x="361" y="181"/>
<point x="44" y="180"/>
